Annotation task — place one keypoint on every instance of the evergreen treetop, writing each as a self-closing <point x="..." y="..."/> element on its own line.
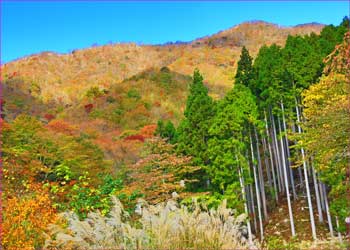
<point x="193" y="130"/>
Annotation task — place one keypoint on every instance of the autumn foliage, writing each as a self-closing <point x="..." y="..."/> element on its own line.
<point x="49" y="117"/>
<point x="61" y="126"/>
<point x="25" y="219"/>
<point x="81" y="128"/>
<point x="148" y="130"/>
<point x="88" y="107"/>
<point x="135" y="137"/>
<point x="159" y="173"/>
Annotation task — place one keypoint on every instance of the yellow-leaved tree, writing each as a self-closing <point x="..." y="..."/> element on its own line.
<point x="327" y="127"/>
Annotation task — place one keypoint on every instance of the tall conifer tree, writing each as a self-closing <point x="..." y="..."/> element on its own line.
<point x="193" y="130"/>
<point x="245" y="72"/>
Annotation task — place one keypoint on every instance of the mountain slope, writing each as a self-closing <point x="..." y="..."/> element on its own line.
<point x="65" y="78"/>
<point x="217" y="55"/>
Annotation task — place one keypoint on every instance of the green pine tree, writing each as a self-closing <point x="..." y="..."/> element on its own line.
<point x="245" y="71"/>
<point x="268" y="66"/>
<point x="228" y="133"/>
<point x="227" y="144"/>
<point x="166" y="130"/>
<point x="193" y="130"/>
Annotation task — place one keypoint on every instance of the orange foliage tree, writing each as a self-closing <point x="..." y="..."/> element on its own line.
<point x="62" y="127"/>
<point x="26" y="219"/>
<point x="160" y="172"/>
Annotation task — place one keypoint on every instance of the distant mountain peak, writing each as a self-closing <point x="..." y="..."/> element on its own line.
<point x="249" y="32"/>
<point x="310" y="24"/>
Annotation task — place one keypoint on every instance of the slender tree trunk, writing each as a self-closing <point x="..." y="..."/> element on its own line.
<point x="271" y="160"/>
<point x="301" y="178"/>
<point x="287" y="188"/>
<point x="301" y="181"/>
<point x="309" y="169"/>
<point x="277" y="162"/>
<point x="329" y="219"/>
<point x="290" y="170"/>
<point x="266" y="160"/>
<point x="291" y="174"/>
<point x="337" y="224"/>
<point x="277" y="152"/>
<point x="261" y="177"/>
<point x="257" y="191"/>
<point x="320" y="188"/>
<point x="253" y="207"/>
<point x="317" y="194"/>
<point x="250" y="193"/>
<point x="241" y="180"/>
<point x="312" y="220"/>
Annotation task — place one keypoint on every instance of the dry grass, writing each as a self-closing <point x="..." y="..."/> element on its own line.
<point x="164" y="226"/>
<point x="179" y="228"/>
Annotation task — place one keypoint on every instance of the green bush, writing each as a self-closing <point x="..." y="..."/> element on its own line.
<point x="94" y="92"/>
<point x="147" y="105"/>
<point x="95" y="113"/>
<point x="165" y="69"/>
<point x="133" y="93"/>
<point x="19" y="103"/>
<point x="35" y="89"/>
<point x="85" y="198"/>
<point x="110" y="99"/>
<point x="166" y="130"/>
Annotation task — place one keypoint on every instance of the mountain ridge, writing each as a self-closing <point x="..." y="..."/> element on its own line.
<point x="65" y="77"/>
<point x="177" y="42"/>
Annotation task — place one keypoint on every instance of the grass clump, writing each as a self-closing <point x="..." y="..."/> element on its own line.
<point x="163" y="226"/>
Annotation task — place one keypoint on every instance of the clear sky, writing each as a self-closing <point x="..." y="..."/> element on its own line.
<point x="61" y="26"/>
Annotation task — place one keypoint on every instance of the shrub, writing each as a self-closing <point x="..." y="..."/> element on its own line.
<point x="49" y="117"/>
<point x="166" y="130"/>
<point x="19" y="103"/>
<point x="84" y="198"/>
<point x="94" y="92"/>
<point x="165" y="69"/>
<point x="160" y="171"/>
<point x="35" y="89"/>
<point x="110" y="99"/>
<point x="118" y="111"/>
<point x="127" y="133"/>
<point x="148" y="130"/>
<point x="135" y="137"/>
<point x="165" y="79"/>
<point x="147" y="105"/>
<point x="88" y="107"/>
<point x="61" y="126"/>
<point x="133" y="93"/>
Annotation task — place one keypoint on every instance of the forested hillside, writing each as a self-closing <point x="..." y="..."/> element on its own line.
<point x="239" y="140"/>
<point x="64" y="78"/>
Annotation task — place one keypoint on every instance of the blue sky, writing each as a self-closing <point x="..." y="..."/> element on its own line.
<point x="61" y="26"/>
